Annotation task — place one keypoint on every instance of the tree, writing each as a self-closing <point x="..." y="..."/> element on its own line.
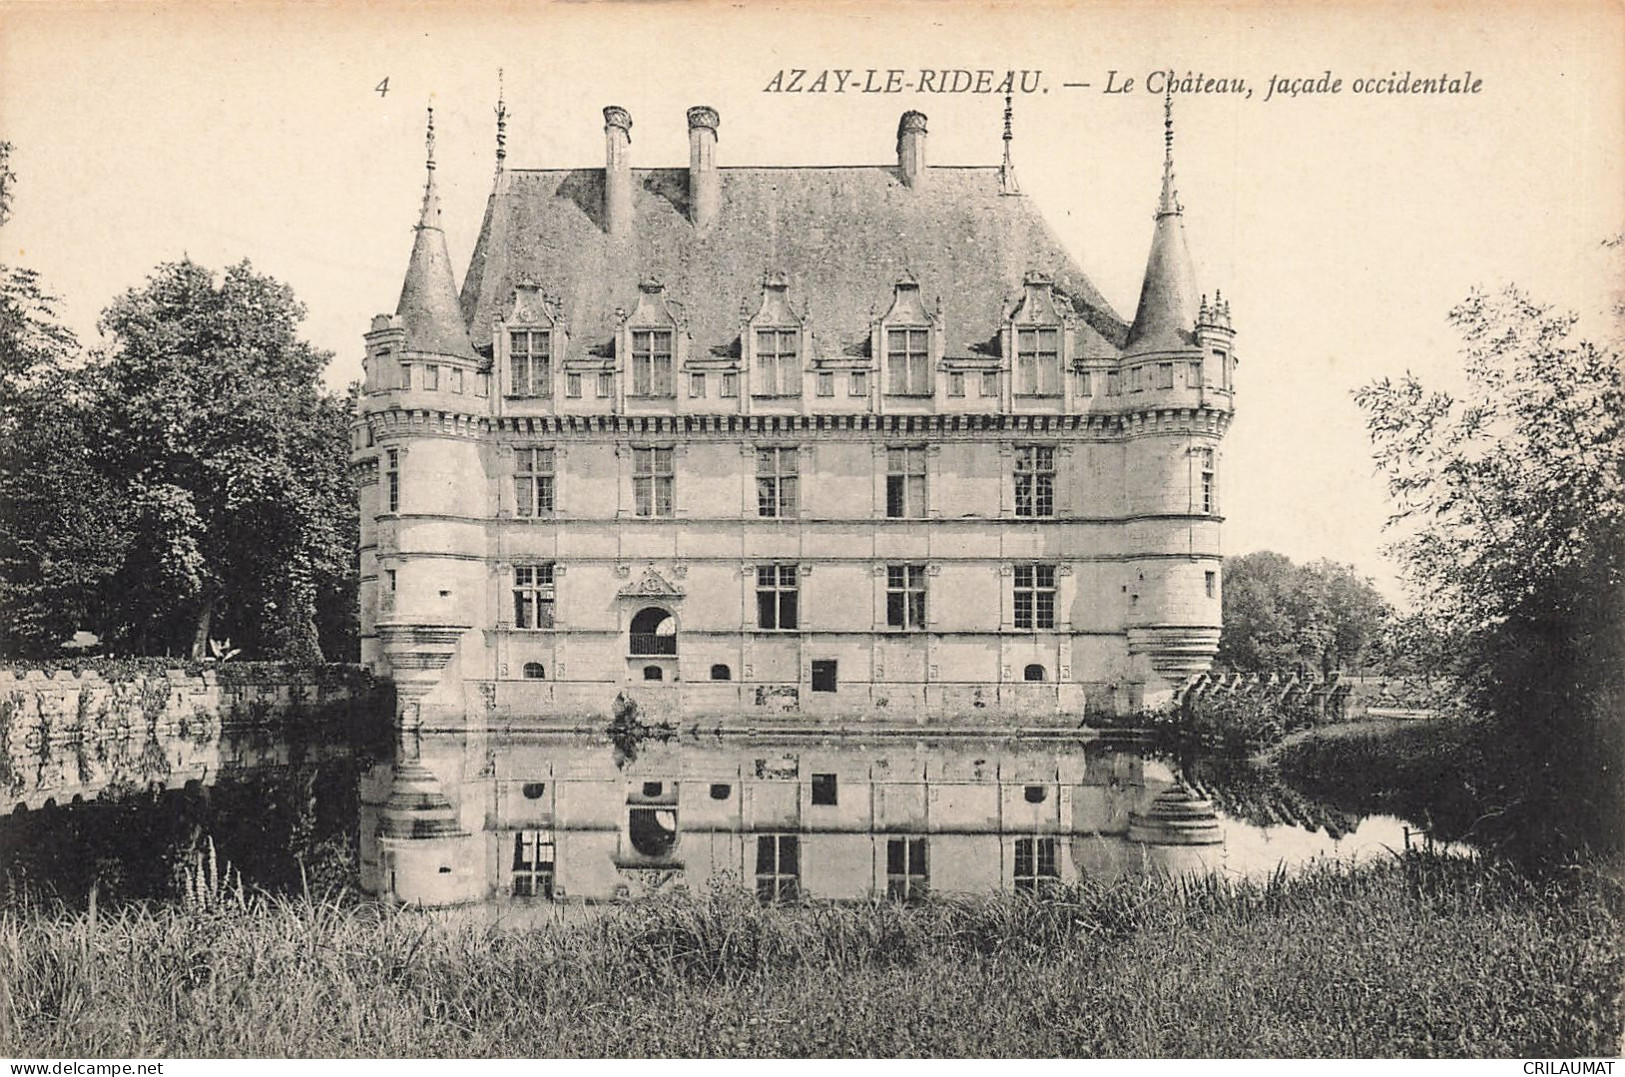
<point x="233" y="459"/>
<point x="61" y="531"/>
<point x="1281" y="616"/>
<point x="1510" y="503"/>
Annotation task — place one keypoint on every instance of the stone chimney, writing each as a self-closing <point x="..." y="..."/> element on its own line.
<point x="617" y="170"/>
<point x="704" y="185"/>
<point x="911" y="147"/>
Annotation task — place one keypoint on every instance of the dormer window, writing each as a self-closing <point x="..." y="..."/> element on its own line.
<point x="530" y="363"/>
<point x="1038" y="361"/>
<point x="908" y="362"/>
<point x="652" y="362"/>
<point x="1036" y="337"/>
<point x="778" y="363"/>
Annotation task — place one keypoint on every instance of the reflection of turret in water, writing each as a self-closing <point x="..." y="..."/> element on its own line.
<point x="1178" y="832"/>
<point x="413" y="847"/>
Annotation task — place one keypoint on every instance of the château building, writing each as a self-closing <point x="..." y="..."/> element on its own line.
<point x="813" y="443"/>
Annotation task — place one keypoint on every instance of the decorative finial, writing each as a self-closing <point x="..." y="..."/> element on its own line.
<point x="1169" y="202"/>
<point x="1168" y="126"/>
<point x="1007" y="171"/>
<point x="430" y="138"/>
<point x="502" y="124"/>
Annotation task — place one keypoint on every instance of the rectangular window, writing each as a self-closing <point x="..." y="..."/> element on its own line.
<point x="906" y="873"/>
<point x="1210" y="580"/>
<point x="905" y="596"/>
<point x="826" y="383"/>
<point x="482" y="385"/>
<point x="651" y="363"/>
<point x="406" y="375"/>
<point x="776" y="596"/>
<point x="1036" y="867"/>
<point x="1165" y="375"/>
<point x="530" y="363"/>
<point x="431" y="376"/>
<point x="908" y="362"/>
<point x="956" y="383"/>
<point x="533" y="596"/>
<point x="696" y="386"/>
<point x="1035" y="596"/>
<point x="905" y="482"/>
<point x="825" y="790"/>
<point x="1114" y="383"/>
<point x="1035" y="480"/>
<point x="606" y="384"/>
<point x="778" y="363"/>
<point x="857" y="383"/>
<point x="1210" y="492"/>
<point x="653" y="481"/>
<point x="776" y="481"/>
<point x="1223" y="359"/>
<point x="389" y="574"/>
<point x="778" y="867"/>
<point x="1193" y="374"/>
<point x="572" y="386"/>
<point x="533" y="481"/>
<point x="454" y="378"/>
<point x="1086" y="386"/>
<point x="1038" y="362"/>
<point x="392" y="478"/>
<point x="824" y="677"/>
<point x="1135" y="385"/>
<point x="990" y="383"/>
<point x="730" y="385"/>
<point x="534" y="857"/>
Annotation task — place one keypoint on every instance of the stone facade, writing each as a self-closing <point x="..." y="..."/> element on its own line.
<point x="854" y="444"/>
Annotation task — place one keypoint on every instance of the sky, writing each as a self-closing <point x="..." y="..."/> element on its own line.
<point x="1342" y="226"/>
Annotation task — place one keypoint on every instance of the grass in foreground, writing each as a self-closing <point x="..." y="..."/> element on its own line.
<point x="1419" y="956"/>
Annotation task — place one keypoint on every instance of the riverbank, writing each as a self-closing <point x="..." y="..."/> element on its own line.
<point x="1417" y="956"/>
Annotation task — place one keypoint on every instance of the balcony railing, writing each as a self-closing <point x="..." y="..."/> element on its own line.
<point x="648" y="643"/>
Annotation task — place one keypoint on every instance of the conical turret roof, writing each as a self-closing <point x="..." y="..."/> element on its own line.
<point x="428" y="309"/>
<point x="1166" y="318"/>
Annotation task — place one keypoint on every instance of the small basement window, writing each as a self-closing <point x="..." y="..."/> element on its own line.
<point x="1035" y="794"/>
<point x="1034" y="672"/>
<point x="534" y="671"/>
<point x="721" y="790"/>
<point x="823" y="675"/>
<point x="652" y="789"/>
<point x="720" y="672"/>
<point x="534" y="790"/>
<point x="653" y="673"/>
<point x="824" y="789"/>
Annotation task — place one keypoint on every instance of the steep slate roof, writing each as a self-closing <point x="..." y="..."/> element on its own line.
<point x="843" y="236"/>
<point x="1166" y="317"/>
<point x="428" y="307"/>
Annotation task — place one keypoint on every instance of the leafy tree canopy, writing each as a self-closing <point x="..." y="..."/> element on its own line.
<point x="1281" y="616"/>
<point x="1509" y="498"/>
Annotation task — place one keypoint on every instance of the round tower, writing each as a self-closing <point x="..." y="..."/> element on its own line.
<point x="424" y="491"/>
<point x="1175" y="378"/>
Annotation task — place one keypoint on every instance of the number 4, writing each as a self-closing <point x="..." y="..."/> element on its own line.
<point x="382" y="88"/>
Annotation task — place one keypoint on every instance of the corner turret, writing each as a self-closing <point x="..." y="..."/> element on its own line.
<point x="428" y="307"/>
<point x="1166" y="317"/>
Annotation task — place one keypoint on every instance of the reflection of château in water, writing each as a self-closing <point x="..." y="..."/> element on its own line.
<point x="464" y="820"/>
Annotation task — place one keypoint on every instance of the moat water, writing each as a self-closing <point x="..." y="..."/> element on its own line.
<point x="537" y="821"/>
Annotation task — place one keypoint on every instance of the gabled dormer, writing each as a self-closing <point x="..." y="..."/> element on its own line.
<point x="776" y="343"/>
<point x="1038" y="338"/>
<point x="908" y="341"/>
<point x="530" y="340"/>
<point x="651" y="344"/>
